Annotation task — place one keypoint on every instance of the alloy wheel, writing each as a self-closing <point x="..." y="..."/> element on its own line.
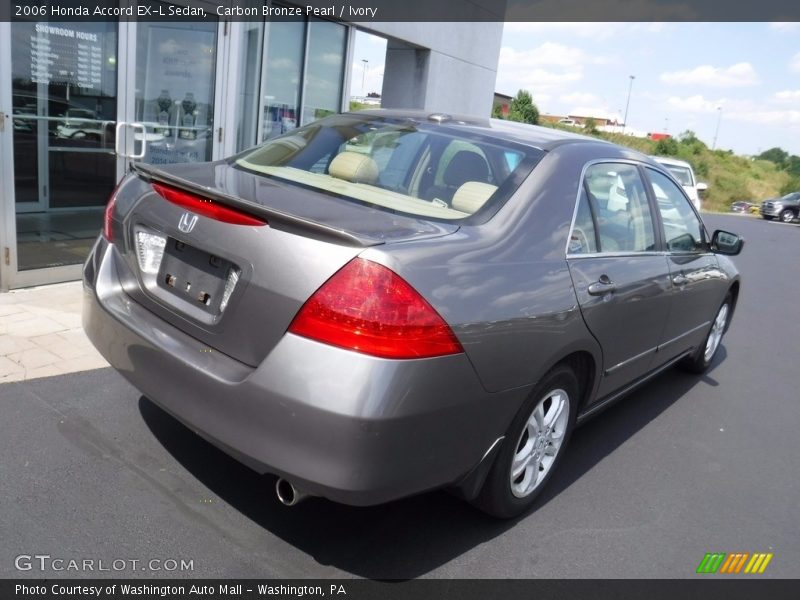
<point x="539" y="442"/>
<point x="715" y="335"/>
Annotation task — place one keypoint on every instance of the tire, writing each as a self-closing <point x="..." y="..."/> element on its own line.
<point x="787" y="216"/>
<point x="536" y="454"/>
<point x="701" y="360"/>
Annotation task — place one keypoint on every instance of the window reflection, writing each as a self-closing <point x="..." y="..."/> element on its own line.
<point x="175" y="68"/>
<point x="325" y="70"/>
<point x="284" y="56"/>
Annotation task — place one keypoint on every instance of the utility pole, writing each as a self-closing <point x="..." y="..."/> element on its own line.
<point x="363" y="76"/>
<point x="716" y="131"/>
<point x="628" y="103"/>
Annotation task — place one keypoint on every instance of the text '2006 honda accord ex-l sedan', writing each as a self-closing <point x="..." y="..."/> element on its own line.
<point x="387" y="302"/>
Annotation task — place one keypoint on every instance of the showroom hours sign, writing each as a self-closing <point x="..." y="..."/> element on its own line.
<point x="67" y="56"/>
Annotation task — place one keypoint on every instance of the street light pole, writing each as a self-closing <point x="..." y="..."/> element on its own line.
<point x="628" y="102"/>
<point x="716" y="131"/>
<point x="363" y="74"/>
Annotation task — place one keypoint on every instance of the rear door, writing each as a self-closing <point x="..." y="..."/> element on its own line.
<point x="620" y="278"/>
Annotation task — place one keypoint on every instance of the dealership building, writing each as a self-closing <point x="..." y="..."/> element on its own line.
<point x="80" y="101"/>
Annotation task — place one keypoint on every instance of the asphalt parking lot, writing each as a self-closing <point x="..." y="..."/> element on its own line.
<point x="684" y="466"/>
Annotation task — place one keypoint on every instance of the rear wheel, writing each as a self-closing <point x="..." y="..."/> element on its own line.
<point x="787" y="216"/>
<point x="701" y="360"/>
<point x="533" y="446"/>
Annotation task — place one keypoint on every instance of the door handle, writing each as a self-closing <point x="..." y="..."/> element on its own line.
<point x="141" y="154"/>
<point x="680" y="280"/>
<point x="118" y="137"/>
<point x="602" y="286"/>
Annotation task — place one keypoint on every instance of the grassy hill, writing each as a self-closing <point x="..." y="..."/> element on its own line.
<point x="729" y="177"/>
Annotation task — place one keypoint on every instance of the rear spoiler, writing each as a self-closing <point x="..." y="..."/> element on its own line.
<point x="277" y="219"/>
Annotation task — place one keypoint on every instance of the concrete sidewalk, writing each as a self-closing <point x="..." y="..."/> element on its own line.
<point x="41" y="334"/>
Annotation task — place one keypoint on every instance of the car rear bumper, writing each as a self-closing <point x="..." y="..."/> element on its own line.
<point x="350" y="427"/>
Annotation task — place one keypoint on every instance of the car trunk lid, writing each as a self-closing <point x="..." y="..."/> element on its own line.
<point x="236" y="288"/>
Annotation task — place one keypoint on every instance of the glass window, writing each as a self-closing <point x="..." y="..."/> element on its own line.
<point x="583" y="238"/>
<point x="324" y="70"/>
<point x="682" y="228"/>
<point x="682" y="174"/>
<point x="616" y="193"/>
<point x="282" y="75"/>
<point x="175" y="73"/>
<point x="390" y="164"/>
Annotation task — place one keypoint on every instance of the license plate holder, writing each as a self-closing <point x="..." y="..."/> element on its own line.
<point x="194" y="275"/>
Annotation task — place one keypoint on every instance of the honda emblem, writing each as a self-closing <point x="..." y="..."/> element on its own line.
<point x="187" y="222"/>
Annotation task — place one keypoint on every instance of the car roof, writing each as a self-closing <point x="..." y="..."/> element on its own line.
<point x="545" y="138"/>
<point x="671" y="161"/>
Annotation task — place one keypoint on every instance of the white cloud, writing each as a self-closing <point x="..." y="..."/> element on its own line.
<point x="767" y="117"/>
<point x="788" y="96"/>
<point x="794" y="65"/>
<point x="785" y="27"/>
<point x="697" y="104"/>
<point x="549" y="66"/>
<point x="580" y="98"/>
<point x="738" y="75"/>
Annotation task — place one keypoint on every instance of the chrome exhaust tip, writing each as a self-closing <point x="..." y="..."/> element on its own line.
<point x="288" y="495"/>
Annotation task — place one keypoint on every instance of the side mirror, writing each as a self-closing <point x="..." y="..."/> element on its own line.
<point x="701" y="187"/>
<point x="724" y="242"/>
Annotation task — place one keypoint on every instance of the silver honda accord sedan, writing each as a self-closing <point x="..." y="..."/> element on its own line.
<point x="387" y="302"/>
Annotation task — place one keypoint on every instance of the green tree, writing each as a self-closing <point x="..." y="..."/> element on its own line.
<point x="779" y="156"/>
<point x="523" y="109"/>
<point x="590" y="125"/>
<point x="497" y="111"/>
<point x="666" y="147"/>
<point x="793" y="185"/>
<point x="793" y="165"/>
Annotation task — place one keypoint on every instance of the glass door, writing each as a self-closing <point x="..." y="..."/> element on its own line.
<point x="64" y="104"/>
<point x="86" y="100"/>
<point x="171" y="69"/>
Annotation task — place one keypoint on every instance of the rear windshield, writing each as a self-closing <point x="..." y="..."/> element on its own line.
<point x="682" y="174"/>
<point x="401" y="165"/>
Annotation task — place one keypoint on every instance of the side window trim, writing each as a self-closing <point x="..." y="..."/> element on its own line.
<point x="658" y="248"/>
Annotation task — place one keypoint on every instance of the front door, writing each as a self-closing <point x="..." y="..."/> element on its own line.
<point x="86" y="100"/>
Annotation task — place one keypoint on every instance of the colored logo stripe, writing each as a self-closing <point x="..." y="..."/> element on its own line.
<point x="711" y="562"/>
<point x="758" y="563"/>
<point x="721" y="562"/>
<point x="734" y="563"/>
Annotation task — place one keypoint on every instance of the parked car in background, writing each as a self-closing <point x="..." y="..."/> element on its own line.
<point x="683" y="172"/>
<point x="437" y="309"/>
<point x="786" y="208"/>
<point x="743" y="206"/>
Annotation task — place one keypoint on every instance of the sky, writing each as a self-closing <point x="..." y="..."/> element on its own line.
<point x="743" y="76"/>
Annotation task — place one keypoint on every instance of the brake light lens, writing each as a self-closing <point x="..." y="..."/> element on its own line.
<point x="108" y="216"/>
<point x="205" y="207"/>
<point x="368" y="308"/>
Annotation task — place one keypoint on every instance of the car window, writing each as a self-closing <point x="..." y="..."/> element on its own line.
<point x="583" y="237"/>
<point x="682" y="174"/>
<point x="682" y="228"/>
<point x="400" y="165"/>
<point x="616" y="194"/>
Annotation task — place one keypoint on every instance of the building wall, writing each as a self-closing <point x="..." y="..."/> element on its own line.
<point x="448" y="67"/>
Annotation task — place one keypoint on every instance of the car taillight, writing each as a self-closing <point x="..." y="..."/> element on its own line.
<point x="368" y="308"/>
<point x="108" y="216"/>
<point x="206" y="207"/>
